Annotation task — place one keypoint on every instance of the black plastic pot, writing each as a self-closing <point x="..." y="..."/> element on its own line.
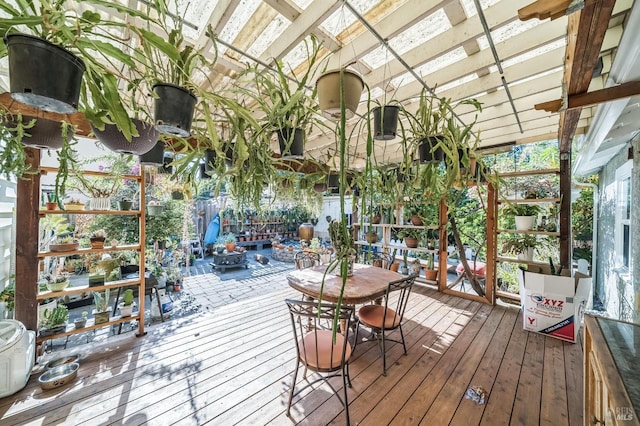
<point x="333" y="182"/>
<point x="426" y="151"/>
<point x="388" y="121"/>
<point x="229" y="154"/>
<point x="291" y="145"/>
<point x="203" y="172"/>
<point x="153" y="157"/>
<point x="113" y="138"/>
<point x="174" y="106"/>
<point x="43" y="75"/>
<point x="45" y="134"/>
<point x="166" y="167"/>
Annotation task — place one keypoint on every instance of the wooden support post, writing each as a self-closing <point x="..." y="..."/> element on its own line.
<point x="565" y="210"/>
<point x="442" y="246"/>
<point x="492" y="242"/>
<point x="27" y="206"/>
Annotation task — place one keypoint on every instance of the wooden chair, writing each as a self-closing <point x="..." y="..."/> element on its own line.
<point x="315" y="348"/>
<point x="382" y="319"/>
<point x="306" y="259"/>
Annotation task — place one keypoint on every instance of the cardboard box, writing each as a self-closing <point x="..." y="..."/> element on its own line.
<point x="553" y="305"/>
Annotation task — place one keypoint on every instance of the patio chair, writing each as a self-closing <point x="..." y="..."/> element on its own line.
<point x="306" y="259"/>
<point x="315" y="348"/>
<point x="382" y="260"/>
<point x="382" y="319"/>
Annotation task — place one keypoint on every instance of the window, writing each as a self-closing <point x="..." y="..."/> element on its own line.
<point x="623" y="215"/>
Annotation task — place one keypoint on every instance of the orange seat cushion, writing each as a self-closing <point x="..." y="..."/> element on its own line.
<point x="326" y="357"/>
<point x="372" y="315"/>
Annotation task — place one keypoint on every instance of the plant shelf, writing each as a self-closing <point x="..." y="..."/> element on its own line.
<point x="85" y="288"/>
<point x="515" y="231"/>
<point x="81" y="251"/>
<point x="90" y="326"/>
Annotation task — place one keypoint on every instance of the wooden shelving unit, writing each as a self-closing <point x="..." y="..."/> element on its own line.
<point x="139" y="282"/>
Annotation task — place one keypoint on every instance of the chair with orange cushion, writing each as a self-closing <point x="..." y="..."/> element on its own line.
<point x="388" y="317"/>
<point x="315" y="348"/>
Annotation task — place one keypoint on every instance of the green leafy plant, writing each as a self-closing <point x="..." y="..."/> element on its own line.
<point x="101" y="300"/>
<point x="522" y="209"/>
<point x="56" y="317"/>
<point x="519" y="243"/>
<point x="230" y="238"/>
<point x="127" y="297"/>
<point x="8" y="294"/>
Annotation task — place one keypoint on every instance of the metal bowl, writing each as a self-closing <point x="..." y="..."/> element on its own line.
<point x="58" y="376"/>
<point x="61" y="361"/>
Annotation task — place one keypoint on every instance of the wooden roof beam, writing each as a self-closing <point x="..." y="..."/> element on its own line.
<point x="580" y="100"/>
<point x="543" y="9"/>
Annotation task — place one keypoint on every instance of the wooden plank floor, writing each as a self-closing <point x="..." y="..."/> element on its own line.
<point x="232" y="364"/>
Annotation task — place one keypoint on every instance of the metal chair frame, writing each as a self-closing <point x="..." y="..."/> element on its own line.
<point x="403" y="288"/>
<point x="303" y="312"/>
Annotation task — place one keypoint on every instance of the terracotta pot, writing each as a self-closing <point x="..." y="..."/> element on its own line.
<point x="372" y="238"/>
<point x="51" y="206"/>
<point x="431" y="274"/>
<point x="394" y="267"/>
<point x="230" y="247"/>
<point x="411" y="242"/>
<point x="416" y="220"/>
<point x="97" y="243"/>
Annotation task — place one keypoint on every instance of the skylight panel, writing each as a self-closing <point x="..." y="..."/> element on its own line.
<point x="342" y="17"/>
<point x="512" y="29"/>
<point x="195" y="13"/>
<point x="268" y="36"/>
<point x="238" y="20"/>
<point x="441" y="61"/>
<point x="377" y="57"/>
<point x="470" y="7"/>
<point x="458" y="82"/>
<point x="425" y="30"/>
<point x="532" y="53"/>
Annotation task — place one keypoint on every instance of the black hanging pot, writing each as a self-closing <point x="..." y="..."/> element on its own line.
<point x="166" y="167"/>
<point x="400" y="176"/>
<point x="174" y="106"/>
<point x="229" y="153"/>
<point x="291" y="142"/>
<point x="203" y="172"/>
<point x="112" y="138"/>
<point x="43" y="75"/>
<point x="333" y="182"/>
<point x="385" y="122"/>
<point x="45" y="134"/>
<point x="154" y="156"/>
<point x="427" y="151"/>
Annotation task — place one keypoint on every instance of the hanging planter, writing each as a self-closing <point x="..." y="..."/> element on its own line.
<point x="320" y="187"/>
<point x="113" y="138"/>
<point x="385" y="122"/>
<point x="174" y="106"/>
<point x="45" y="134"/>
<point x="153" y="157"/>
<point x="328" y="87"/>
<point x="427" y="151"/>
<point x="43" y="75"/>
<point x="333" y="182"/>
<point x="203" y="172"/>
<point x="166" y="167"/>
<point x="209" y="160"/>
<point x="155" y="209"/>
<point x="291" y="145"/>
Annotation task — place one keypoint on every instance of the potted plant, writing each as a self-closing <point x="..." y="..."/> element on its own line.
<point x="520" y="245"/>
<point x="372" y="237"/>
<point x="125" y="203"/>
<point x="126" y="307"/>
<point x="101" y="302"/>
<point x="64" y="243"/>
<point x="385" y="120"/>
<point x="7" y="297"/>
<point x="524" y="215"/>
<point x="98" y="238"/>
<point x="230" y="242"/>
<point x="220" y="244"/>
<point x="430" y="272"/>
<point x="82" y="321"/>
<point x="55" y="321"/>
<point x="411" y="236"/>
<point x="56" y="282"/>
<point x="329" y="86"/>
<point x="289" y="109"/>
<point x="343" y="246"/>
<point x="73" y="205"/>
<point x="154" y="208"/>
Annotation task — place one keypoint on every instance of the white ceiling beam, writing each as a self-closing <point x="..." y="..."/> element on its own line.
<point x="220" y="16"/>
<point x="304" y="24"/>
<point x="397" y="21"/>
<point x="497" y="16"/>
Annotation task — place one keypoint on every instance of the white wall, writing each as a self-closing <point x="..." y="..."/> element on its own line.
<point x="330" y="207"/>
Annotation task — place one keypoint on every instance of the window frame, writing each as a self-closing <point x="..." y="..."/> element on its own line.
<point x="623" y="199"/>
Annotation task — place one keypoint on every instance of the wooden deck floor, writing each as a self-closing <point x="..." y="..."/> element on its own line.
<point x="233" y="365"/>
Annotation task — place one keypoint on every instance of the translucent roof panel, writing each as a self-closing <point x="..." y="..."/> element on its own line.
<point x="470" y="7"/>
<point x="195" y="14"/>
<point x="533" y="53"/>
<point x="238" y="20"/>
<point x="342" y="18"/>
<point x="442" y="61"/>
<point x="271" y="33"/>
<point x="425" y="30"/>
